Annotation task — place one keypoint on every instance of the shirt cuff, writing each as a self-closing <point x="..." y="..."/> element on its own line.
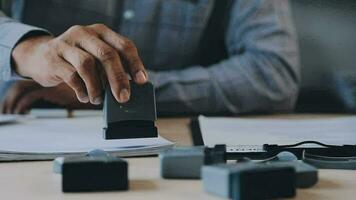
<point x="11" y="33"/>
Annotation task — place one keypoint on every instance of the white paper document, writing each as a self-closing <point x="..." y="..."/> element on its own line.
<point x="5" y="119"/>
<point x="237" y="131"/>
<point x="43" y="139"/>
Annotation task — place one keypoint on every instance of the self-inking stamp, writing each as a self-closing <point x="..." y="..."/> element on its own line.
<point x="133" y="119"/>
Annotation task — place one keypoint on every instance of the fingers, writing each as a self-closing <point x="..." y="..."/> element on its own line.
<point x="127" y="50"/>
<point x="111" y="62"/>
<point x="68" y="74"/>
<point x="11" y="99"/>
<point x="25" y="103"/>
<point x="85" y="44"/>
<point x="12" y="96"/>
<point x="15" y="92"/>
<point x="5" y="107"/>
<point x="78" y="85"/>
<point x="85" y="66"/>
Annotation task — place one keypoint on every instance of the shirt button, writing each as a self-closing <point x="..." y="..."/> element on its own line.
<point x="129" y="14"/>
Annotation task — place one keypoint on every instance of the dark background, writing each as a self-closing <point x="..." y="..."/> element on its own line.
<point x="327" y="40"/>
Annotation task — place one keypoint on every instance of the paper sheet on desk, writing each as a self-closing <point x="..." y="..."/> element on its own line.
<point x="5" y="119"/>
<point x="44" y="139"/>
<point x="237" y="131"/>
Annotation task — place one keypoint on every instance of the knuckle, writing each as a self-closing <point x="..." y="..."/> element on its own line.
<point x="99" y="26"/>
<point x="54" y="44"/>
<point x="69" y="74"/>
<point x="50" y="48"/>
<point x="81" y="43"/>
<point x="129" y="45"/>
<point x="66" y="38"/>
<point x="75" y="29"/>
<point x="105" y="53"/>
<point x="54" y="49"/>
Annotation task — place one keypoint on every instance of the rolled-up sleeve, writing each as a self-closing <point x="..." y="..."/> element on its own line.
<point x="11" y="32"/>
<point x="261" y="73"/>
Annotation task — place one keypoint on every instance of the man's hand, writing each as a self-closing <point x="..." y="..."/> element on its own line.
<point x="83" y="57"/>
<point x="23" y="94"/>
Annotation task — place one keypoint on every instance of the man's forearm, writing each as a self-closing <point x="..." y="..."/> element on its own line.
<point x="261" y="73"/>
<point x="254" y="82"/>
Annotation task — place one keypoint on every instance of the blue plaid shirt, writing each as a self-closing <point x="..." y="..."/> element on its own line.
<point x="247" y="61"/>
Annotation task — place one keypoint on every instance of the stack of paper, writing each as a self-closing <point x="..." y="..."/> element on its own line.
<point x="45" y="139"/>
<point x="237" y="131"/>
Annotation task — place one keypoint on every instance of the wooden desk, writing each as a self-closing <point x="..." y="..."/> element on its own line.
<point x="35" y="180"/>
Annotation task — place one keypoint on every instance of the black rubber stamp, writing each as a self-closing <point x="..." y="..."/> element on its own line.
<point x="133" y="119"/>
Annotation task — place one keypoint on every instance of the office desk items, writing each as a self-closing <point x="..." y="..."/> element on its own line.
<point x="46" y="139"/>
<point x="306" y="175"/>
<point x="96" y="171"/>
<point x="330" y="160"/>
<point x="315" y="153"/>
<point x="35" y="180"/>
<point x="133" y="119"/>
<point x="186" y="162"/>
<point x="58" y="162"/>
<point x="248" y="180"/>
<point x="238" y="131"/>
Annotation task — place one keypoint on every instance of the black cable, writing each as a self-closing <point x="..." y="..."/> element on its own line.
<point x="307" y="142"/>
<point x="269" y="147"/>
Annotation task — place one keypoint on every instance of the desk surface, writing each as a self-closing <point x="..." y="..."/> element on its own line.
<point x="35" y="180"/>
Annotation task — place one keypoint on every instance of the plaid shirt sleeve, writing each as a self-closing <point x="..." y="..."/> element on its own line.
<point x="264" y="78"/>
